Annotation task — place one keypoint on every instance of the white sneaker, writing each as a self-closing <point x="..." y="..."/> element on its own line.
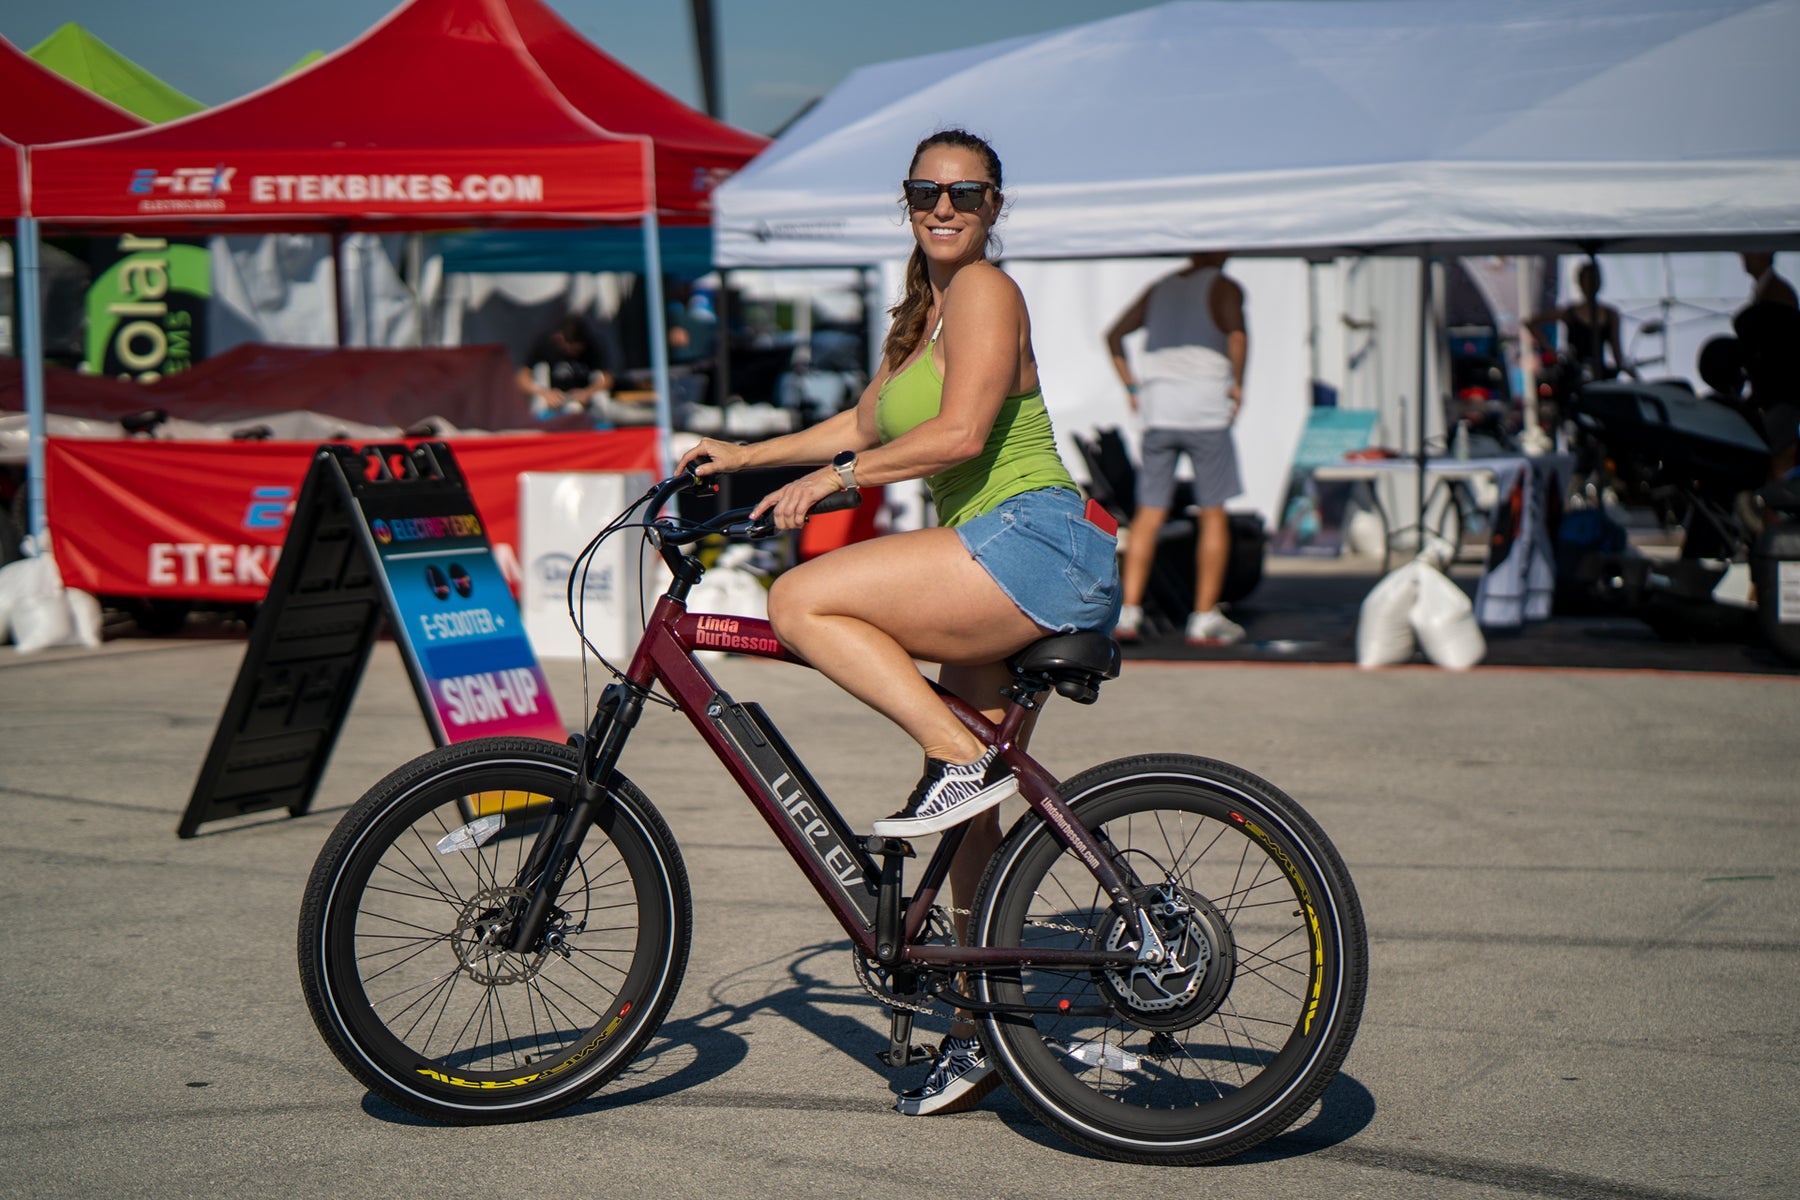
<point x="949" y="794"/>
<point x="1213" y="628"/>
<point x="1131" y="617"/>
<point x="961" y="1076"/>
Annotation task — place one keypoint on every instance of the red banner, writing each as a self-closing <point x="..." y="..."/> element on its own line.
<point x="206" y="520"/>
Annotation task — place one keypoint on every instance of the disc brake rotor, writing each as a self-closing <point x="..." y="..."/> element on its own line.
<point x="483" y="935"/>
<point x="1193" y="981"/>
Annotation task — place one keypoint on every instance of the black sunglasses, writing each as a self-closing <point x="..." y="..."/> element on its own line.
<point x="966" y="195"/>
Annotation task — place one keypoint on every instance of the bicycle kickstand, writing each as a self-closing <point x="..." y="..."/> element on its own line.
<point x="888" y="936"/>
<point x="901" y="1052"/>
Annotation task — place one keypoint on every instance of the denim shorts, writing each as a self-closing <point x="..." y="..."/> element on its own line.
<point x="1061" y="569"/>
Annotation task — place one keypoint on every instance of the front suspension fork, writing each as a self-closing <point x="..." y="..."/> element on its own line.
<point x="554" y="854"/>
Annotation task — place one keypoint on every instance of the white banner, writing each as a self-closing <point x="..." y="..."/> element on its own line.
<point x="559" y="513"/>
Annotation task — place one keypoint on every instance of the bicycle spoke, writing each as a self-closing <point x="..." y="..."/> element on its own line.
<point x="1186" y="1052"/>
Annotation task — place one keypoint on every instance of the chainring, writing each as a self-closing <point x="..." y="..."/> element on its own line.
<point x="877" y="980"/>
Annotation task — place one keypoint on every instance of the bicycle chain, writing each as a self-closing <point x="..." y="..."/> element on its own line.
<point x="889" y="1000"/>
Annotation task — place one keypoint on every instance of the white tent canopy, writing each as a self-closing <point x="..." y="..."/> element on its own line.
<point x="1318" y="127"/>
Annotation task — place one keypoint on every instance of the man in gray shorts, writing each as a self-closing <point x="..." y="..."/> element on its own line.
<point x="1187" y="389"/>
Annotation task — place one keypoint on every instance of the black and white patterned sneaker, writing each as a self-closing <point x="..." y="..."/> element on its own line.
<point x="960" y="1076"/>
<point x="950" y="793"/>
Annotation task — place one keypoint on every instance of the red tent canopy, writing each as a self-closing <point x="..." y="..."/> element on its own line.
<point x="38" y="105"/>
<point x="447" y="112"/>
<point x="694" y="153"/>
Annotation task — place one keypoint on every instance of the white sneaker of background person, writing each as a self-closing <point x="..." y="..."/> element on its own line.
<point x="1213" y="628"/>
<point x="1131" y="619"/>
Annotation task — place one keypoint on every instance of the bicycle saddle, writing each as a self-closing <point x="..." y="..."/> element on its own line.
<point x="1075" y="663"/>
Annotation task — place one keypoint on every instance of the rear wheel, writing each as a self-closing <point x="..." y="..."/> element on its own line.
<point x="1231" y="1039"/>
<point x="405" y="936"/>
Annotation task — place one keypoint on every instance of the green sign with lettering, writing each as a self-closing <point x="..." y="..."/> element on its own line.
<point x="146" y="312"/>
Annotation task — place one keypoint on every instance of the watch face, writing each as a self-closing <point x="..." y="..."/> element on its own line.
<point x="845" y="458"/>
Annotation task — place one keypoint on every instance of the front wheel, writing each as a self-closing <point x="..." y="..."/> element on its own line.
<point x="1235" y="1035"/>
<point x="405" y="940"/>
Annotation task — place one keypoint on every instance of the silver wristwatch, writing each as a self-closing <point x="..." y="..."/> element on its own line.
<point x="845" y="465"/>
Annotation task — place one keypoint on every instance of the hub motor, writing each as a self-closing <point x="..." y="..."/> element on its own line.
<point x="1193" y="982"/>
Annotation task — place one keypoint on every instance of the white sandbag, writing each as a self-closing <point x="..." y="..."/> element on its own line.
<point x="1365" y="533"/>
<point x="84" y="617"/>
<point x="16" y="578"/>
<point x="1384" y="628"/>
<point x="1437" y="550"/>
<point x="39" y="613"/>
<point x="12" y="586"/>
<point x="1443" y="619"/>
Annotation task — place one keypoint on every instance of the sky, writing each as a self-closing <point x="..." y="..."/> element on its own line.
<point x="776" y="55"/>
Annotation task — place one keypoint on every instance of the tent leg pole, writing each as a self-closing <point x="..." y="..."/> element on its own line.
<point x="31" y="364"/>
<point x="1532" y="439"/>
<point x="722" y="359"/>
<point x="1425" y="349"/>
<point x="337" y="286"/>
<point x="659" y="344"/>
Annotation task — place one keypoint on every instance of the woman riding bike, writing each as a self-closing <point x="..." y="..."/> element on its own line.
<point x="956" y="402"/>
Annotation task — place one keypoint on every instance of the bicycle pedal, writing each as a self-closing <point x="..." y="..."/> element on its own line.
<point x="914" y="1054"/>
<point x="881" y="847"/>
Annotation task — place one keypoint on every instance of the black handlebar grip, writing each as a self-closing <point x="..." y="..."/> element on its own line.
<point x="694" y="482"/>
<point x="763" y="527"/>
<point x="838" y="501"/>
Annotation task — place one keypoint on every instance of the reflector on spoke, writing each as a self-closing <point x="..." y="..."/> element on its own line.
<point x="470" y="836"/>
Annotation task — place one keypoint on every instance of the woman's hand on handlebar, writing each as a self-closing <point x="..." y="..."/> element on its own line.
<point x="726" y="457"/>
<point x="787" y="506"/>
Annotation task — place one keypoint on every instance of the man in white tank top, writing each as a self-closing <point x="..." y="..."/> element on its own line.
<point x="1187" y="389"/>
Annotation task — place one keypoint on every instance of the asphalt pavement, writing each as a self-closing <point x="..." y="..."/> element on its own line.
<point x="1578" y="885"/>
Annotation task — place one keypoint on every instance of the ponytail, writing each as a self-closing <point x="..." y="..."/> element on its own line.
<point x="909" y="314"/>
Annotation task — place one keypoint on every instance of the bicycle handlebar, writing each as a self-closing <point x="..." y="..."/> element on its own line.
<point x="732" y="524"/>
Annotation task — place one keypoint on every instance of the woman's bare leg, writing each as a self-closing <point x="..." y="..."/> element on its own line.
<point x="862" y="614"/>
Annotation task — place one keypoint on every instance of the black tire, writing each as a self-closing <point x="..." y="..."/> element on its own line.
<point x="401" y="983"/>
<point x="1205" y="1063"/>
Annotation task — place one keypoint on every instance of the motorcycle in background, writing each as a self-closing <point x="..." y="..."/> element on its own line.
<point x="1701" y="464"/>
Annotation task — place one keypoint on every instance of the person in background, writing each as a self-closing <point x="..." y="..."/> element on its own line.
<point x="1593" y="328"/>
<point x="1188" y="391"/>
<point x="693" y="328"/>
<point x="1768" y="334"/>
<point x="565" y="370"/>
<point x="1766" y="286"/>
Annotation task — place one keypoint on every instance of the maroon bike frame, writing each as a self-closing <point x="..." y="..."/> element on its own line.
<point x="666" y="655"/>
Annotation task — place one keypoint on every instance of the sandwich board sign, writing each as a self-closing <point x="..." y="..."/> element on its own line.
<point x="382" y="536"/>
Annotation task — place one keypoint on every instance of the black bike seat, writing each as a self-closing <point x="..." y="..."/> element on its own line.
<point x="1076" y="663"/>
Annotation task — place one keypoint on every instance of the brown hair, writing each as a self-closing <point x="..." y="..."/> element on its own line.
<point x="909" y="315"/>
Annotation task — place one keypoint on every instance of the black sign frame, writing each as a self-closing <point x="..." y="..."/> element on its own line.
<point x="326" y="606"/>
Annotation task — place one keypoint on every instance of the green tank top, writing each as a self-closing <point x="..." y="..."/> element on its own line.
<point x="1019" y="456"/>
